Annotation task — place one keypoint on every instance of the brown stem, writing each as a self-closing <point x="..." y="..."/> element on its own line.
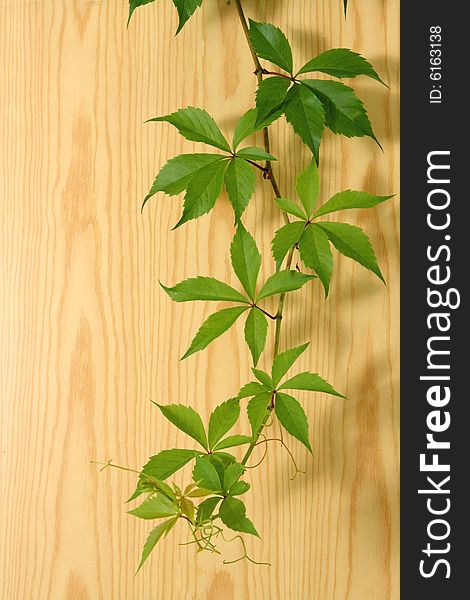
<point x="255" y="164"/>
<point x="265" y="72"/>
<point x="246" y="30"/>
<point x="259" y="74"/>
<point x="280" y="308"/>
<point x="265" y="312"/>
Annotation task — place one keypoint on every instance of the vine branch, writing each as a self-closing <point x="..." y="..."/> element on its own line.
<point x="215" y="475"/>
<point x="259" y="70"/>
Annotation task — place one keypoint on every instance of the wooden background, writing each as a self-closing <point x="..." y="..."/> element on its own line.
<point x="87" y="336"/>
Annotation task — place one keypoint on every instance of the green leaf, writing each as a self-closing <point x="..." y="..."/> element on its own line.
<point x="197" y="125"/>
<point x="350" y="199"/>
<point x="244" y="127"/>
<point x="257" y="408"/>
<point x="224" y="457"/>
<point x="253" y="388"/>
<point x="133" y="4"/>
<point x="176" y="174"/>
<point x="311" y="382"/>
<point x="285" y="238"/>
<point x="283" y="281"/>
<point x="222" y="419"/>
<point x="345" y="4"/>
<point x="164" y="488"/>
<point x="247" y="125"/>
<point x="271" y="44"/>
<point x="187" y="508"/>
<point x="203" y="189"/>
<point x="291" y="207"/>
<point x="232" y="475"/>
<point x="155" y="535"/>
<point x="246" y="260"/>
<point x="143" y="486"/>
<point x="198" y="492"/>
<point x="221" y="461"/>
<point x="256" y="330"/>
<point x="191" y="486"/>
<point x="206" y="508"/>
<point x="240" y="184"/>
<point x="239" y="488"/>
<point x="185" y="9"/>
<point x="203" y="288"/>
<point x="315" y="251"/>
<point x="305" y="113"/>
<point x="177" y="489"/>
<point x="344" y="112"/>
<point x="307" y="186"/>
<point x="155" y="507"/>
<point x="233" y="514"/>
<point x="214" y="326"/>
<point x="270" y="95"/>
<point x="167" y="462"/>
<point x="292" y="417"/>
<point x="284" y="361"/>
<point x="354" y="243"/>
<point x="206" y="476"/>
<point x="148" y="484"/>
<point x="186" y="419"/>
<point x="340" y="62"/>
<point x="254" y="153"/>
<point x="263" y="377"/>
<point x="233" y="440"/>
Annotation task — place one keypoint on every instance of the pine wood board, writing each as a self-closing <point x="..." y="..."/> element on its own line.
<point x="88" y="337"/>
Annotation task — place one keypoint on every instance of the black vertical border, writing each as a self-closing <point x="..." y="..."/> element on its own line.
<point x="427" y="127"/>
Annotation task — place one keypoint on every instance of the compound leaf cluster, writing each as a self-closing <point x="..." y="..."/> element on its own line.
<point x="313" y="238"/>
<point x="246" y="263"/>
<point x="203" y="175"/>
<point x="310" y="105"/>
<point x="211" y="499"/>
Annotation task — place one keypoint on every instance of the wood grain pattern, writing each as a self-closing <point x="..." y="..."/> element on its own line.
<point x="87" y="336"/>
